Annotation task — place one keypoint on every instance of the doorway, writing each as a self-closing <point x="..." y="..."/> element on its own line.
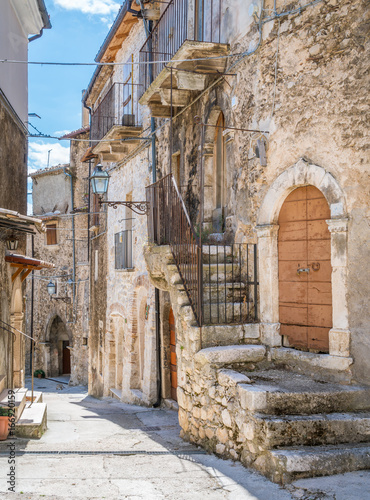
<point x="305" y="289"/>
<point x="173" y="359"/>
<point x="66" y="355"/>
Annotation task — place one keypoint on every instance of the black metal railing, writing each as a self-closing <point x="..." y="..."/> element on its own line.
<point x="230" y="285"/>
<point x="220" y="280"/>
<point x="172" y="30"/>
<point x="117" y="107"/>
<point x="169" y="224"/>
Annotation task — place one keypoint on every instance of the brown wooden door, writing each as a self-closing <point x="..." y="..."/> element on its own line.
<point x="173" y="361"/>
<point x="305" y="298"/>
<point x="66" y="357"/>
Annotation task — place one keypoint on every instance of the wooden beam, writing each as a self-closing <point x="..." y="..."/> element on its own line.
<point x="17" y="273"/>
<point x="25" y="274"/>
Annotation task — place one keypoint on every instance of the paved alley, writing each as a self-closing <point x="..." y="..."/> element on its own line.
<point x="96" y="449"/>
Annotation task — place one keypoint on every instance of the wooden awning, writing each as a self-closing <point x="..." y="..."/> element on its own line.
<point x="18" y="222"/>
<point x="25" y="265"/>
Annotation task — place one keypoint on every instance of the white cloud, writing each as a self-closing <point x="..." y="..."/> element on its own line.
<point x="38" y="155"/>
<point x="59" y="133"/>
<point x="104" y="7"/>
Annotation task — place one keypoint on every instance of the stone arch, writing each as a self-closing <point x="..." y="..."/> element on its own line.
<point x="301" y="174"/>
<point x="57" y="334"/>
<point x="216" y="180"/>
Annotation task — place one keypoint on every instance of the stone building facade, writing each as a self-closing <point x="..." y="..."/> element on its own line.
<point x="123" y="359"/>
<point x="288" y="173"/>
<point x="15" y="29"/>
<point x="258" y="113"/>
<point x="61" y="322"/>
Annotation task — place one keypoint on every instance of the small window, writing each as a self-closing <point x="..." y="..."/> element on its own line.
<point x="51" y="234"/>
<point x="123" y="249"/>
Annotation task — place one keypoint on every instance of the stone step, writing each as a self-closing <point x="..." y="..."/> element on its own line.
<point x="286" y="465"/>
<point x="232" y="292"/>
<point x="19" y="400"/>
<point x="37" y="397"/>
<point x="309" y="430"/>
<point x="235" y="312"/>
<point x="280" y="392"/>
<point x="115" y="393"/>
<point x="214" y="273"/>
<point x="224" y="356"/>
<point x="2" y="383"/>
<point x="33" y="422"/>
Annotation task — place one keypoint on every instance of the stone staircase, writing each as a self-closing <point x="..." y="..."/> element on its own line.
<point x="236" y="399"/>
<point x="30" y="417"/>
<point x="298" y="427"/>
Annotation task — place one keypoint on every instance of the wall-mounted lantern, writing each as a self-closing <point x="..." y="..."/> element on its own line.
<point x="12" y="242"/>
<point x="51" y="288"/>
<point x="99" y="183"/>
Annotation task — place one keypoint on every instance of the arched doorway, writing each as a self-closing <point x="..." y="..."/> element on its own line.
<point x="60" y="354"/>
<point x="173" y="359"/>
<point x="305" y="294"/>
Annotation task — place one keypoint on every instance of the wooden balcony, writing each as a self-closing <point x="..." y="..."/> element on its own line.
<point x="114" y="124"/>
<point x="189" y="43"/>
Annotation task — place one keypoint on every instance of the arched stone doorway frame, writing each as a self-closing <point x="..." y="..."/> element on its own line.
<point x="209" y="160"/>
<point x="301" y="174"/>
<point x="44" y="346"/>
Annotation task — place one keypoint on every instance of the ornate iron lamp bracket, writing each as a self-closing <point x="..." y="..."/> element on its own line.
<point x="139" y="207"/>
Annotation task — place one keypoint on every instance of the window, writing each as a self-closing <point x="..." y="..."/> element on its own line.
<point x="123" y="249"/>
<point x="51" y="234"/>
<point x="128" y="117"/>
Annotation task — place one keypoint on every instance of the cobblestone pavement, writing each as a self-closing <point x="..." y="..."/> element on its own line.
<point x="96" y="449"/>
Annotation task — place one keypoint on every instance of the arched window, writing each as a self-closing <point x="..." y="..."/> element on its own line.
<point x="219" y="174"/>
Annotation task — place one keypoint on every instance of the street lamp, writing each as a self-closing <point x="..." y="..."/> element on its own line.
<point x="99" y="183"/>
<point x="99" y="180"/>
<point x="51" y="288"/>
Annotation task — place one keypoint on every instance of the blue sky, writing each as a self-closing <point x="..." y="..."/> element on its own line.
<point x="78" y="30"/>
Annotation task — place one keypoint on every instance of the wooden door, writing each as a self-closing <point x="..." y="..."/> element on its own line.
<point x="173" y="361"/>
<point x="305" y="295"/>
<point x="66" y="358"/>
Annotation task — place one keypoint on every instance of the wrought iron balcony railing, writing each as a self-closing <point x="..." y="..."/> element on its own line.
<point x="172" y="30"/>
<point x="116" y="108"/>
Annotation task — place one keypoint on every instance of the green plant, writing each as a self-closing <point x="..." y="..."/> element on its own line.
<point x="205" y="232"/>
<point x="38" y="372"/>
<point x="6" y="412"/>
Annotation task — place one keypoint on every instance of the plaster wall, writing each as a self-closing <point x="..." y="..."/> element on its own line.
<point x="14" y="46"/>
<point x="51" y="192"/>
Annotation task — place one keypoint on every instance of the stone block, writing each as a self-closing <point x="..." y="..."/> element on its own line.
<point x="222" y="435"/>
<point x="220" y="449"/>
<point x="227" y="355"/>
<point x="226" y="418"/>
<point x="231" y="378"/>
<point x="339" y="342"/>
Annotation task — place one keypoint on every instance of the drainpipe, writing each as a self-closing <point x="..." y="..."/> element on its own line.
<point x="35" y="37"/>
<point x="73" y="240"/>
<point x="148" y="30"/>
<point x="89" y="194"/>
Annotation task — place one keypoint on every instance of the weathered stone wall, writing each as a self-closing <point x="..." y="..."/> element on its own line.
<point x="68" y="257"/>
<point x="305" y="85"/>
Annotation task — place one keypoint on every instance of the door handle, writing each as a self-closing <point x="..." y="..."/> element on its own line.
<point x="303" y="270"/>
<point x="315" y="266"/>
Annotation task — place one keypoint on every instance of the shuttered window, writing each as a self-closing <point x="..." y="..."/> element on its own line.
<point x="51" y="234"/>
<point x="123" y="249"/>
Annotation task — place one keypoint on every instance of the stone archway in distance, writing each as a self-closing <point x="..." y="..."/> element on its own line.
<point x="301" y="174"/>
